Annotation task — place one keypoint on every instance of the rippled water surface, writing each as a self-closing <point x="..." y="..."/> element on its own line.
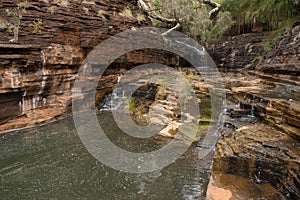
<point x="50" y="162"/>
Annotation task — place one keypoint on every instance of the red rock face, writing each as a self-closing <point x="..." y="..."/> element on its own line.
<point x="76" y="23"/>
<point x="249" y="51"/>
<point x="37" y="71"/>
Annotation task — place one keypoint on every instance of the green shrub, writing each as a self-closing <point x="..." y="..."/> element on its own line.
<point x="274" y="13"/>
<point x="194" y="18"/>
<point x="131" y="104"/>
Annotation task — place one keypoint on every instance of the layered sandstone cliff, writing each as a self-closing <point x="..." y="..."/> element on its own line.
<point x="265" y="52"/>
<point x="38" y="70"/>
<point x="284" y="57"/>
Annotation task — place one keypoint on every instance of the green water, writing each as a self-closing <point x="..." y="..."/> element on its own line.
<point x="50" y="162"/>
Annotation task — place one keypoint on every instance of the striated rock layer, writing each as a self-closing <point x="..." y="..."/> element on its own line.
<point x="239" y="51"/>
<point x="284" y="57"/>
<point x="37" y="71"/>
<point x="260" y="140"/>
<point x="264" y="52"/>
<point x="271" y="158"/>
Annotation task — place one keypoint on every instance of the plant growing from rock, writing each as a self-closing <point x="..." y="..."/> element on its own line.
<point x="37" y="25"/>
<point x="131" y="104"/>
<point x="140" y="18"/>
<point x="126" y="13"/>
<point x="14" y="18"/>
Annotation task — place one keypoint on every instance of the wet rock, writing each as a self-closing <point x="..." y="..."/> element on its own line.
<point x="217" y="193"/>
<point x="260" y="153"/>
<point x="170" y="130"/>
<point x="10" y="106"/>
<point x="239" y="51"/>
<point x="228" y="186"/>
<point x="164" y="109"/>
<point x="266" y="150"/>
<point x="239" y="113"/>
<point x="283" y="58"/>
<point x="274" y="101"/>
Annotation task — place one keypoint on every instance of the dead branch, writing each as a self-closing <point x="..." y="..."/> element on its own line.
<point x="147" y="9"/>
<point x="146" y="6"/>
<point x="216" y="7"/>
<point x="172" y="29"/>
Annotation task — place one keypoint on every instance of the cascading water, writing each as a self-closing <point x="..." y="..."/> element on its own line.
<point x="113" y="100"/>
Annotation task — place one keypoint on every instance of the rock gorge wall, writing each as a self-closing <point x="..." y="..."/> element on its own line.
<point x="239" y="51"/>
<point x="254" y="51"/>
<point x="284" y="58"/>
<point x="38" y="70"/>
<point x="262" y="151"/>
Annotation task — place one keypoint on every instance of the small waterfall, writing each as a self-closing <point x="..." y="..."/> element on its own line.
<point x="112" y="101"/>
<point x="252" y="111"/>
<point x="239" y="104"/>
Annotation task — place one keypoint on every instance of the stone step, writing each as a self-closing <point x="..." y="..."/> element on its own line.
<point x="238" y="113"/>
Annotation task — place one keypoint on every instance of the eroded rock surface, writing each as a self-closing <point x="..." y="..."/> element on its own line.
<point x="262" y="154"/>
<point x="284" y="57"/>
<point x="264" y="52"/>
<point x="37" y="72"/>
<point x="239" y="51"/>
<point x="275" y="101"/>
<point x="260" y="140"/>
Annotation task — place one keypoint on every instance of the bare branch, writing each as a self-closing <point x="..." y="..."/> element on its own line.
<point x="172" y="29"/>
<point x="147" y="9"/>
<point x="216" y="7"/>
<point x="144" y="5"/>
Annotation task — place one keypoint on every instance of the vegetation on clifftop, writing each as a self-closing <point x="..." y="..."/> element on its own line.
<point x="255" y="14"/>
<point x="208" y="20"/>
<point x="200" y="19"/>
<point x="204" y="20"/>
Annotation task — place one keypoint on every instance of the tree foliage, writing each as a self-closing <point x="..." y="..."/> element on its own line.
<point x="207" y="20"/>
<point x="273" y="13"/>
<point x="197" y="19"/>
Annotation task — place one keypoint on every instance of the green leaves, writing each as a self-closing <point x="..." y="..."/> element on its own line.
<point x="17" y="13"/>
<point x="8" y="12"/>
<point x="9" y="27"/>
<point x="140" y="18"/>
<point x="274" y="13"/>
<point x="14" y="16"/>
<point x="194" y="19"/>
<point x="22" y="6"/>
<point x="37" y="26"/>
<point x="131" y="104"/>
